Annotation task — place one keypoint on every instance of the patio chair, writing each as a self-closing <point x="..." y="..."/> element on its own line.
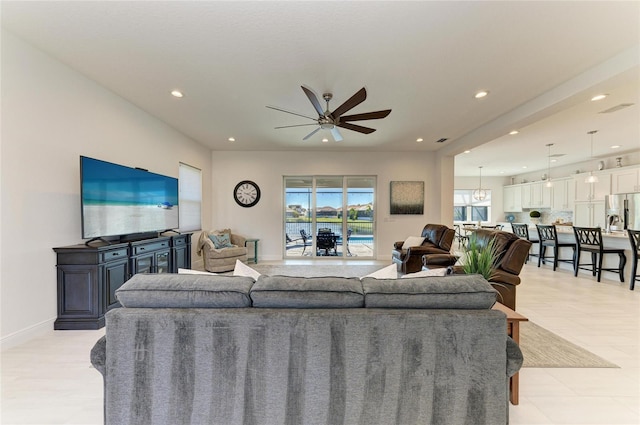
<point x="306" y="240"/>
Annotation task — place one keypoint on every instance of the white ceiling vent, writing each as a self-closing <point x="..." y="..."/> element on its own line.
<point x="616" y="108"/>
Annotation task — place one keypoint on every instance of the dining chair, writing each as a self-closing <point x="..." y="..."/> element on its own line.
<point x="521" y="230"/>
<point x="634" y="238"/>
<point x="589" y="239"/>
<point x="462" y="239"/>
<point x="548" y="237"/>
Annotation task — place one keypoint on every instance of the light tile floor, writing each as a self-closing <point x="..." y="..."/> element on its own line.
<point x="49" y="380"/>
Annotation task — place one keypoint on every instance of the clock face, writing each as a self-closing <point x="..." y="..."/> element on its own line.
<point x="246" y="193"/>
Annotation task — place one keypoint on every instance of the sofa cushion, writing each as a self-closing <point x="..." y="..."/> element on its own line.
<point x="412" y="241"/>
<point x="307" y="292"/>
<point x="448" y="292"/>
<point x="185" y="291"/>
<point x="241" y="269"/>
<point x="221" y="241"/>
<point x="389" y="272"/>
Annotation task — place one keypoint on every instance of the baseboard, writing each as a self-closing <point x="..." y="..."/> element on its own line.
<point x="24" y="335"/>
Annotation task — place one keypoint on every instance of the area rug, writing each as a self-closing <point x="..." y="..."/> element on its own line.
<point x="542" y="348"/>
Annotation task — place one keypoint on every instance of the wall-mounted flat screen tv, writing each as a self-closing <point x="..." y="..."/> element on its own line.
<point x="118" y="200"/>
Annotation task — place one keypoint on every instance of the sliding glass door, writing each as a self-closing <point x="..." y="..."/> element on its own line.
<point x="329" y="216"/>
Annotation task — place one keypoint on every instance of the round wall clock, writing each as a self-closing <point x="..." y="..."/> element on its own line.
<point x="246" y="193"/>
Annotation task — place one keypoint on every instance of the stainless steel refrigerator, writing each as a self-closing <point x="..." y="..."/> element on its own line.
<point x="623" y="211"/>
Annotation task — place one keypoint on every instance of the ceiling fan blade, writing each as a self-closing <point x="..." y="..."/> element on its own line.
<point x="366" y="116"/>
<point x="314" y="100"/>
<point x="297" y="125"/>
<point x="336" y="134"/>
<point x="352" y="102"/>
<point x="358" y="128"/>
<point x="311" y="134"/>
<point x="289" y="112"/>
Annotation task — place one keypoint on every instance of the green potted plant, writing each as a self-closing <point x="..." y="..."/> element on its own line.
<point x="535" y="216"/>
<point x="480" y="259"/>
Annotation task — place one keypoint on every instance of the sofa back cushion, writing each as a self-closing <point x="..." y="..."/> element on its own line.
<point x="185" y="291"/>
<point x="307" y="292"/>
<point x="470" y="292"/>
<point x="439" y="235"/>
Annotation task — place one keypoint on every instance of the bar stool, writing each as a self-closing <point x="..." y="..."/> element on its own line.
<point x="521" y="230"/>
<point x="589" y="239"/>
<point x="549" y="238"/>
<point x="634" y="238"/>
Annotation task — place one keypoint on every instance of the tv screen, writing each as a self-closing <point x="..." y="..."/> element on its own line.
<point x="118" y="200"/>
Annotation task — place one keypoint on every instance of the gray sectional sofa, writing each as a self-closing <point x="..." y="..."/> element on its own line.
<point x="195" y="349"/>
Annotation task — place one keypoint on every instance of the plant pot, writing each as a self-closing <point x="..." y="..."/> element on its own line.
<point x="535" y="220"/>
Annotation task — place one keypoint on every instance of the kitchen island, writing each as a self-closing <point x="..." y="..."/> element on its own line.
<point x="616" y="239"/>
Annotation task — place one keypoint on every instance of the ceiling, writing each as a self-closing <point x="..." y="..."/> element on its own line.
<point x="540" y="61"/>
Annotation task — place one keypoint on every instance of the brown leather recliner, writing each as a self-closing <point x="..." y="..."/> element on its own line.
<point x="512" y="254"/>
<point x="438" y="240"/>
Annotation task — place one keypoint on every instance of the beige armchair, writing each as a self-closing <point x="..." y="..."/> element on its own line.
<point x="221" y="259"/>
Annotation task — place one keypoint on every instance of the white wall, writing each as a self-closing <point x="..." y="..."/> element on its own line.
<point x="50" y="116"/>
<point x="265" y="220"/>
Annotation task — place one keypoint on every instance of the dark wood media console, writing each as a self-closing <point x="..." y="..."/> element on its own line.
<point x="88" y="276"/>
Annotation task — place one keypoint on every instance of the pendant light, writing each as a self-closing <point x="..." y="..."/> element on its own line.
<point x="480" y="194"/>
<point x="548" y="183"/>
<point x="591" y="178"/>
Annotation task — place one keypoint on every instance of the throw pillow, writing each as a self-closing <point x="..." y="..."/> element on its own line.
<point x="389" y="272"/>
<point x="221" y="241"/>
<point x="412" y="241"/>
<point x="443" y="271"/>
<point x="190" y="271"/>
<point x="241" y="269"/>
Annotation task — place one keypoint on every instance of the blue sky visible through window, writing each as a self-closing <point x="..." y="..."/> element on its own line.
<point x="328" y="197"/>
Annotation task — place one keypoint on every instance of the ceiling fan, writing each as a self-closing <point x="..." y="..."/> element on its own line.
<point x="332" y="120"/>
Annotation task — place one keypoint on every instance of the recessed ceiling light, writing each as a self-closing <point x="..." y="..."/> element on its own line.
<point x="501" y="172"/>
<point x="467" y="151"/>
<point x="554" y="160"/>
<point x="514" y="132"/>
<point x="177" y="93"/>
<point x="325" y="140"/>
<point x="615" y="147"/>
<point x="524" y="166"/>
<point x="599" y="97"/>
<point x="419" y="139"/>
<point x="231" y="139"/>
<point x="481" y="94"/>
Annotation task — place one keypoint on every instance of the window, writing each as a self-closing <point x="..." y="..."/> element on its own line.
<point x="465" y="208"/>
<point x="190" y="197"/>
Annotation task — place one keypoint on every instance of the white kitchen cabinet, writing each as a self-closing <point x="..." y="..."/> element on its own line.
<point x="526" y="195"/>
<point x="512" y="198"/>
<point x="589" y="214"/>
<point x="625" y="180"/>
<point x="592" y="191"/>
<point x="563" y="194"/>
<point x="540" y="195"/>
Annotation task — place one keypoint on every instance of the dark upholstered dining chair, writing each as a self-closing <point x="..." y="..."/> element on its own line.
<point x="589" y="239"/>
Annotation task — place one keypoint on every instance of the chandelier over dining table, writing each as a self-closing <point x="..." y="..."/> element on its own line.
<point x="479" y="194"/>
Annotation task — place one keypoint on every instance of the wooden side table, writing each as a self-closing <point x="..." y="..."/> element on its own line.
<point x="253" y="259"/>
<point x="513" y="330"/>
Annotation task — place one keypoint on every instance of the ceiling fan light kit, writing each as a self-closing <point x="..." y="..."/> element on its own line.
<point x="328" y="120"/>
